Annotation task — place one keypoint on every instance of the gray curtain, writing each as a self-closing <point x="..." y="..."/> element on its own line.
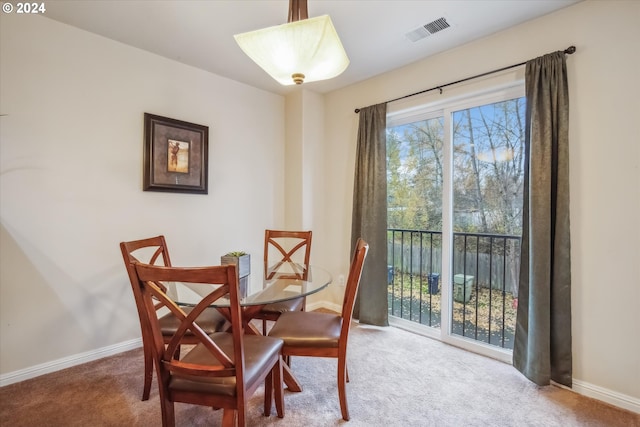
<point x="542" y="348"/>
<point x="369" y="219"/>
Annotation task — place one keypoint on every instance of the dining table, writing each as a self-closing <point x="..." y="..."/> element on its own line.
<point x="282" y="282"/>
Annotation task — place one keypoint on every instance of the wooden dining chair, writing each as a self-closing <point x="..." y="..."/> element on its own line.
<point x="224" y="369"/>
<point x="322" y="334"/>
<point x="154" y="251"/>
<point x="282" y="246"/>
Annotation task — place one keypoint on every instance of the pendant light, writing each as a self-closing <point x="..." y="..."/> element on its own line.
<point x="303" y="50"/>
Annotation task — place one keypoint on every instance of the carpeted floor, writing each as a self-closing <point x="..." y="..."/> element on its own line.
<point x="397" y="379"/>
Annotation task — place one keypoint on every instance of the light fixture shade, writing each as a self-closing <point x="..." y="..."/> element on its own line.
<point x="309" y="47"/>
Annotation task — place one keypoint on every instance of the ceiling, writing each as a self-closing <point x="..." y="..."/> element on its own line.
<point x="200" y="33"/>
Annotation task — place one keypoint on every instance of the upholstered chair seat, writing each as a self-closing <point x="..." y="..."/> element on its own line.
<point x="308" y="329"/>
<point x="285" y="306"/>
<point x="210" y="321"/>
<point x="257" y="350"/>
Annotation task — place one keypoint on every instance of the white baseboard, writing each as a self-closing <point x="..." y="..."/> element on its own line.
<point x="67" y="362"/>
<point x="608" y="396"/>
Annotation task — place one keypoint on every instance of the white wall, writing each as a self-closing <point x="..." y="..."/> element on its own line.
<point x="71" y="144"/>
<point x="304" y="175"/>
<point x="605" y="159"/>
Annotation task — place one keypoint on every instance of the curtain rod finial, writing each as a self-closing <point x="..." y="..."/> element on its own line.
<point x="570" y="50"/>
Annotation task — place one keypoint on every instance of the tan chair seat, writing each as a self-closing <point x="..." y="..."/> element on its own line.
<point x="257" y="349"/>
<point x="210" y="320"/>
<point x="284" y="306"/>
<point x="308" y="329"/>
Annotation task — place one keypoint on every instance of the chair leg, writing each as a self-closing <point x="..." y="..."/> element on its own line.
<point x="279" y="388"/>
<point x="229" y="418"/>
<point x="342" y="387"/>
<point x="241" y="414"/>
<point x="168" y="412"/>
<point x="268" y="393"/>
<point x="148" y="372"/>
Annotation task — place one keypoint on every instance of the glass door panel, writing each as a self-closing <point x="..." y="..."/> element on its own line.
<point x="487" y="183"/>
<point x="414" y="211"/>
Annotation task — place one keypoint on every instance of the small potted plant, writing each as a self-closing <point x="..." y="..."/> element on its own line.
<point x="242" y="260"/>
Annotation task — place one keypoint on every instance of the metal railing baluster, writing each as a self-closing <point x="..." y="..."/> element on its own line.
<point x="406" y="273"/>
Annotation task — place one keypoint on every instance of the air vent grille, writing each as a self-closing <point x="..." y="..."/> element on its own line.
<point x="437" y="25"/>
<point x="427" y="29"/>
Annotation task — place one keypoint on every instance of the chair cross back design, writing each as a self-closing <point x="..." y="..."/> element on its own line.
<point x="188" y="323"/>
<point x="274" y="242"/>
<point x="290" y="247"/>
<point x="223" y="369"/>
<point x="323" y="334"/>
<point x="156" y="253"/>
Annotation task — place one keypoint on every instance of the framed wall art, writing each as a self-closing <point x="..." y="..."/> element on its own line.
<point x="176" y="155"/>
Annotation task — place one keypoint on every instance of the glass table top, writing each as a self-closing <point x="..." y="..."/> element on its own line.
<point x="286" y="281"/>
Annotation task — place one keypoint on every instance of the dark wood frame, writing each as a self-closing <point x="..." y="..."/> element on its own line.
<point x="158" y="131"/>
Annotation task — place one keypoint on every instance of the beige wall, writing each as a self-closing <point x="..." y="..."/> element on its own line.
<point x="71" y="182"/>
<point x="304" y="174"/>
<point x="605" y="158"/>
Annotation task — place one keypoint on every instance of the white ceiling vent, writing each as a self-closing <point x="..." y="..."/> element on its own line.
<point x="427" y="29"/>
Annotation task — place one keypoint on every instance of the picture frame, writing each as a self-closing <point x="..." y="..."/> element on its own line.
<point x="176" y="155"/>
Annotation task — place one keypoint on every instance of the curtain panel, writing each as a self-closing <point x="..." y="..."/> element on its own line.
<point x="542" y="348"/>
<point x="369" y="218"/>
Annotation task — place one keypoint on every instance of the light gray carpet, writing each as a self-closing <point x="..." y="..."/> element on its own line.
<point x="397" y="379"/>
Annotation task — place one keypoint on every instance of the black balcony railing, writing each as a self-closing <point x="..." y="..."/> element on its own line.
<point x="483" y="284"/>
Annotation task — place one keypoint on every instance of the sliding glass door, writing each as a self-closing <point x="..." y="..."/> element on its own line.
<point x="455" y="176"/>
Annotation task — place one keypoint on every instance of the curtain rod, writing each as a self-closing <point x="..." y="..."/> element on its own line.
<point x="570" y="50"/>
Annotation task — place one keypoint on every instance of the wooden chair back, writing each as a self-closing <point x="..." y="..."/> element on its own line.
<point x="150" y="280"/>
<point x="152" y="250"/>
<point x="282" y="246"/>
<point x="351" y="288"/>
